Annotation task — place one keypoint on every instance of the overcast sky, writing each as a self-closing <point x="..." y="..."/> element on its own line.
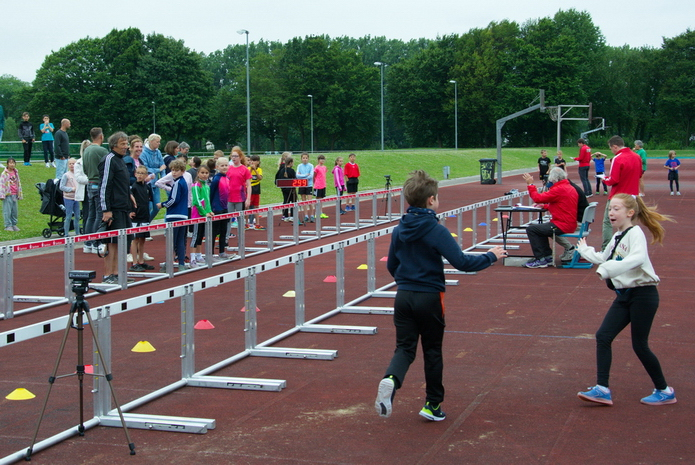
<point x="31" y="31"/>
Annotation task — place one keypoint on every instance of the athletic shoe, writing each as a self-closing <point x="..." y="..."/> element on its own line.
<point x="136" y="267"/>
<point x="660" y="398"/>
<point x="678" y="193"/>
<point x="53" y="164"/>
<point x="589" y="195"/>
<point x="605" y="193"/>
<point x="539" y="263"/>
<point x="15" y="228"/>
<point x="147" y="257"/>
<point x="597" y="192"/>
<point x="259" y="228"/>
<point x="671" y="193"/>
<point x="306" y="218"/>
<point x="129" y="258"/>
<point x="598" y="394"/>
<point x="342" y="212"/>
<point x="48" y="165"/>
<point x="567" y="255"/>
<point x="384" y="397"/>
<point x="110" y="279"/>
<point x="27" y="164"/>
<point x="9" y="228"/>
<point x="193" y="264"/>
<point x="146" y="267"/>
<point x="432" y="413"/>
<point x="323" y="216"/>
<point x="88" y="249"/>
<point x="312" y="219"/>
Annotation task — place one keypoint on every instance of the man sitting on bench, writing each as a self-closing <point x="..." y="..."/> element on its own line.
<point x="561" y="201"/>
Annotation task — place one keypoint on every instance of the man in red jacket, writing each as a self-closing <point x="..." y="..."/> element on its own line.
<point x="561" y="201"/>
<point x="623" y="177"/>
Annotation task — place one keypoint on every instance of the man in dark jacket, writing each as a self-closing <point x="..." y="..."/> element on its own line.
<point x="61" y="147"/>
<point x="115" y="200"/>
<point x="26" y="135"/>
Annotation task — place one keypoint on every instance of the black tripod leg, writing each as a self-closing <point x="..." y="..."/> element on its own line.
<point x="109" y="377"/>
<point x="51" y="380"/>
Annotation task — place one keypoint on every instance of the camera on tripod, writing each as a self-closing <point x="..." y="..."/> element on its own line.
<point x="80" y="280"/>
<point x="388" y="177"/>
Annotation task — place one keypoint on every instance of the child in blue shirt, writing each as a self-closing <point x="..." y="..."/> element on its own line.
<point x="600" y="165"/>
<point x="672" y="164"/>
<point x="177" y="209"/>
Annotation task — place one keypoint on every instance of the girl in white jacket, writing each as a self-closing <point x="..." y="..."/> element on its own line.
<point x="626" y="267"/>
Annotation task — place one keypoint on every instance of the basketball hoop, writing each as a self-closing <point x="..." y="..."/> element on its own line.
<point x="552" y="112"/>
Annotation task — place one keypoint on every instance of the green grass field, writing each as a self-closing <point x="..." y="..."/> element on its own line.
<point x="373" y="166"/>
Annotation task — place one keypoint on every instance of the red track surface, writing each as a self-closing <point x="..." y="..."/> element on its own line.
<point x="519" y="345"/>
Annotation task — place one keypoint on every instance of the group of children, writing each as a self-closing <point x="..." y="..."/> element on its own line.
<point x="344" y="179"/>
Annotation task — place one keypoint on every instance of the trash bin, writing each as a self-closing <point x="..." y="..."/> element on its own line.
<point x="487" y="170"/>
<point x="446" y="172"/>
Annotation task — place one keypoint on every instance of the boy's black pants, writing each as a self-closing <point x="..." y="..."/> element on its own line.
<point x="419" y="314"/>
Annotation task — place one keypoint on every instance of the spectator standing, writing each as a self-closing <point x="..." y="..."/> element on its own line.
<point x="672" y="164"/>
<point x="46" y="129"/>
<point x="352" y="174"/>
<point x="10" y="192"/>
<point x="177" y="209"/>
<point x="339" y="181"/>
<point x="256" y="178"/>
<point x="219" y="191"/>
<point x="61" y="146"/>
<point x="289" y="194"/>
<point x="115" y="199"/>
<point x="152" y="159"/>
<point x="320" y="180"/>
<point x="639" y="150"/>
<point x="584" y="160"/>
<point x="305" y="170"/>
<point x="73" y="194"/>
<point x="141" y="191"/>
<point x="91" y="158"/>
<point x="27" y="136"/>
<point x="600" y="166"/>
<point x="239" y="182"/>
<point x="2" y="122"/>
<point x="623" y="177"/>
<point x="543" y="166"/>
<point x="559" y="161"/>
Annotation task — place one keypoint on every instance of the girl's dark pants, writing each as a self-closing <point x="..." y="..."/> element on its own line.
<point x="419" y="314"/>
<point x="636" y="307"/>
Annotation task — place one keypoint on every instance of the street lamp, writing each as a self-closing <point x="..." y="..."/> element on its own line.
<point x="382" y="65"/>
<point x="154" y="119"/>
<point x="248" y="94"/>
<point x="311" y="97"/>
<point x="456" y="113"/>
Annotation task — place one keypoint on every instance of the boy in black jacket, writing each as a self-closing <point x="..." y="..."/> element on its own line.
<point x="415" y="261"/>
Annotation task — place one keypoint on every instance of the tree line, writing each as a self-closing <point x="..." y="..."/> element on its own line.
<point x="140" y="84"/>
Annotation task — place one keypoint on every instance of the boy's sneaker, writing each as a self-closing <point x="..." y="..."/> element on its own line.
<point x="660" y="397"/>
<point x="312" y="219"/>
<point x="384" y="397"/>
<point x="129" y="258"/>
<point x="136" y="267"/>
<point x="598" y="394"/>
<point x="146" y="257"/>
<point x="88" y="249"/>
<point x="146" y="267"/>
<point x="324" y="216"/>
<point x="671" y="192"/>
<point x="259" y="228"/>
<point x="567" y="255"/>
<point x="110" y="279"/>
<point x="432" y="413"/>
<point x="538" y="263"/>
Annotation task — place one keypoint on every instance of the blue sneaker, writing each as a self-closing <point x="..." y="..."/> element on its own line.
<point x="660" y="398"/>
<point x="598" y="394"/>
<point x="384" y="397"/>
<point x="539" y="263"/>
<point x="432" y="413"/>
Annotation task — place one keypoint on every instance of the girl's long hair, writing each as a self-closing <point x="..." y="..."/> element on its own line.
<point x="648" y="216"/>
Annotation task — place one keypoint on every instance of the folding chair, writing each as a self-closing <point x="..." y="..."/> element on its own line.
<point x="583" y="231"/>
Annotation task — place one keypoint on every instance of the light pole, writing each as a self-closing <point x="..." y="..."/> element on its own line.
<point x="311" y="97"/>
<point x="382" y="65"/>
<point x="154" y="119"/>
<point x="456" y="113"/>
<point x="248" y="94"/>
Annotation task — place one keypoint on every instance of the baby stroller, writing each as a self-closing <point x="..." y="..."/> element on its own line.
<point x="52" y="205"/>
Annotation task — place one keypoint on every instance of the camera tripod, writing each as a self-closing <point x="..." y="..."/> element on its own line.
<point x="78" y="309"/>
<point x="387" y="195"/>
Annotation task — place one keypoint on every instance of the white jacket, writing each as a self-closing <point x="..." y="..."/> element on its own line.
<point x="630" y="266"/>
<point x="82" y="181"/>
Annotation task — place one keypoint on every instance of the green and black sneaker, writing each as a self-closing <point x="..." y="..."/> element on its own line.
<point x="432" y="413"/>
